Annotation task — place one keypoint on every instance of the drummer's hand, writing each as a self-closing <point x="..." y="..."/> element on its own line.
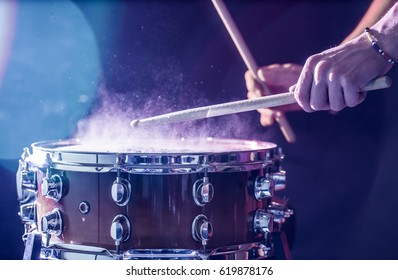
<point x="278" y="78"/>
<point x="332" y="79"/>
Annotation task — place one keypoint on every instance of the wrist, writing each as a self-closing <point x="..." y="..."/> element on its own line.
<point x="372" y="39"/>
<point x="385" y="32"/>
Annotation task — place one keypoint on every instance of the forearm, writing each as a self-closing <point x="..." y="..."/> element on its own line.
<point x="386" y="32"/>
<point x="376" y="10"/>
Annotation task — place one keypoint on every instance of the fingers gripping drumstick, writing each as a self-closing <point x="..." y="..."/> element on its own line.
<point x="251" y="64"/>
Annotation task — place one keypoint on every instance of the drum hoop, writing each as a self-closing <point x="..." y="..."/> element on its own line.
<point x="254" y="250"/>
<point x="45" y="153"/>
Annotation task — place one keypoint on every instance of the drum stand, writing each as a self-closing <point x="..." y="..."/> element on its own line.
<point x="32" y="247"/>
<point x="283" y="237"/>
<point x="281" y="247"/>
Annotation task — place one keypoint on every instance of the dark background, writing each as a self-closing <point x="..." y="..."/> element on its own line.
<point x="177" y="54"/>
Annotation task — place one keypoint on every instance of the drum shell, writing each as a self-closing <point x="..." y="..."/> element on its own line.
<point x="161" y="209"/>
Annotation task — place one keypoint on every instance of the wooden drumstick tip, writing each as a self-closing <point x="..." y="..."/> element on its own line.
<point x="134" y="123"/>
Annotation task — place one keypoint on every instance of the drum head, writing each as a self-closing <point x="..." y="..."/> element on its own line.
<point x="153" y="155"/>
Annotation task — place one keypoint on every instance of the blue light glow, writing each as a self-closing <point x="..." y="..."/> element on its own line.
<point x="51" y="78"/>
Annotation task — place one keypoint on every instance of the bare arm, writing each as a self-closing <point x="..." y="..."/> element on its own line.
<point x="376" y="10"/>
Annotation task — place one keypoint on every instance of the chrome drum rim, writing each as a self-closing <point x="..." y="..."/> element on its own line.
<point x="238" y="155"/>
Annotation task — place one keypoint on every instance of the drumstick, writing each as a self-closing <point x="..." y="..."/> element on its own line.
<point x="251" y="64"/>
<point x="239" y="106"/>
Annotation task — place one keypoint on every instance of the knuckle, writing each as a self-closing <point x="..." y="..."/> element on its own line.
<point x="336" y="107"/>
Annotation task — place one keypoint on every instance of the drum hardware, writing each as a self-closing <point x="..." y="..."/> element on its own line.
<point x="164" y="254"/>
<point x="25" y="154"/>
<point x="120" y="230"/>
<point x="263" y="222"/>
<point x="28" y="181"/>
<point x="202" y="230"/>
<point x="48" y="162"/>
<point x="272" y="156"/>
<point x="25" y="179"/>
<point x="28" y="212"/>
<point x="279" y="179"/>
<point x="84" y="207"/>
<point x="121" y="159"/>
<point x="26" y="186"/>
<point x="280" y="212"/>
<point x="82" y="252"/>
<point x="29" y="227"/>
<point x="51" y="254"/>
<point x="121" y="190"/>
<point x="251" y="251"/>
<point x="54" y="187"/>
<point x="32" y="247"/>
<point x="264" y="187"/>
<point x="273" y="170"/>
<point x="52" y="223"/>
<point x="76" y="252"/>
<point x="202" y="190"/>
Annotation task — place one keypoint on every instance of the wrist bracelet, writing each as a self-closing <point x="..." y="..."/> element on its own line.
<point x="372" y="40"/>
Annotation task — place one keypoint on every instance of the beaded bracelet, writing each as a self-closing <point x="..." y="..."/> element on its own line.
<point x="372" y="40"/>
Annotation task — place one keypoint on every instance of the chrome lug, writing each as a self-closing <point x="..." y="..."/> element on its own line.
<point x="262" y="222"/>
<point x="52" y="223"/>
<point x="121" y="191"/>
<point x="202" y="229"/>
<point x="202" y="191"/>
<point x="54" y="187"/>
<point x="120" y="229"/>
<point x="263" y="188"/>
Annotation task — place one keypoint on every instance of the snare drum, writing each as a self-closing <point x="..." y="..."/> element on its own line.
<point x="181" y="199"/>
